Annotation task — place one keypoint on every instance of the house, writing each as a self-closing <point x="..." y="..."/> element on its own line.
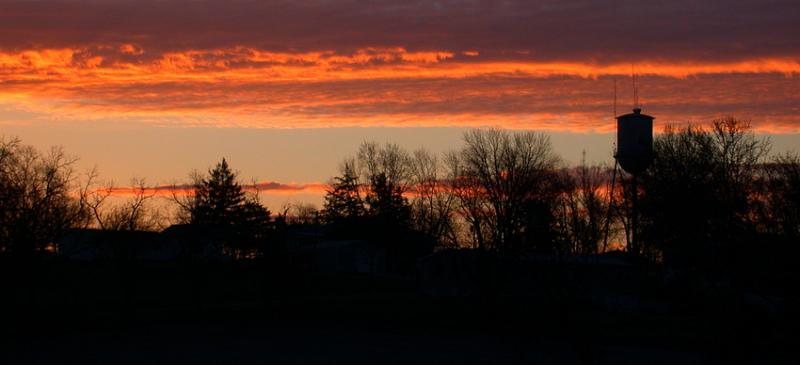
<point x="174" y="243"/>
<point x="189" y="241"/>
<point x="97" y="244"/>
<point x="339" y="256"/>
<point x="611" y="280"/>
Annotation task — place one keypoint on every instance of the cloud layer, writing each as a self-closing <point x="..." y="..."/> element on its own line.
<point x="288" y="64"/>
<point x="265" y="187"/>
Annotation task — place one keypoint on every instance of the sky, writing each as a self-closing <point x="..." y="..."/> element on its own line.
<point x="286" y="89"/>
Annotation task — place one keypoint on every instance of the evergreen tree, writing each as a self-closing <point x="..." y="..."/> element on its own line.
<point x="218" y="199"/>
<point x="386" y="202"/>
<point x="220" y="202"/>
<point x="343" y="200"/>
<point x="252" y="225"/>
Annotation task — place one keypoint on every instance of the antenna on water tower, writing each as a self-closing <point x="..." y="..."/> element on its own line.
<point x="635" y="88"/>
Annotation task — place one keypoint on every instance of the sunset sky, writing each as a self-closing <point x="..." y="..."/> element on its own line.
<point x="286" y="89"/>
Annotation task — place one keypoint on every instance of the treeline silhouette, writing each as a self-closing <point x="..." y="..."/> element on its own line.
<point x="503" y="192"/>
<point x="719" y="220"/>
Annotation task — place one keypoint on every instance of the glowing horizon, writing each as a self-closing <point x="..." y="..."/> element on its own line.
<point x="267" y="187"/>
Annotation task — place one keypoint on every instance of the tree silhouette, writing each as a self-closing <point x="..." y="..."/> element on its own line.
<point x="134" y="214"/>
<point x="219" y="199"/>
<point x="303" y="214"/>
<point x="384" y="217"/>
<point x="584" y="210"/>
<point x="386" y="202"/>
<point x="697" y="194"/>
<point x="252" y="228"/>
<point x="433" y="204"/>
<point x="388" y="160"/>
<point x="779" y="207"/>
<point x="343" y="198"/>
<point x="508" y="188"/>
<point x="37" y="203"/>
<point x="219" y="203"/>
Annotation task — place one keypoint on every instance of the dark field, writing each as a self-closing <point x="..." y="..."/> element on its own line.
<point x="105" y="313"/>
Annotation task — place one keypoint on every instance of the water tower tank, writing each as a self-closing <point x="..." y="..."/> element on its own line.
<point x="634" y="141"/>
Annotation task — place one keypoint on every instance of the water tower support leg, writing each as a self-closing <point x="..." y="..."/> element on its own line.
<point x="635" y="219"/>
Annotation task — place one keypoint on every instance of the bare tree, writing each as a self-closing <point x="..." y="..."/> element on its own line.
<point x="389" y="160"/>
<point x="697" y="195"/>
<point x="778" y="201"/>
<point x="184" y="199"/>
<point x="471" y="204"/>
<point x="303" y="213"/>
<point x="505" y="183"/>
<point x="738" y="156"/>
<point x="433" y="204"/>
<point x="584" y="208"/>
<point x="133" y="214"/>
<point x="386" y="174"/>
<point x="40" y="197"/>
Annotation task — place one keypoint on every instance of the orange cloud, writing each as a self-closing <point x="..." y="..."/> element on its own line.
<point x="249" y="87"/>
<point x="265" y="187"/>
<point x="247" y="64"/>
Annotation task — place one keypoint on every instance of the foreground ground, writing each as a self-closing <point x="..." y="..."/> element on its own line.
<point x="90" y="316"/>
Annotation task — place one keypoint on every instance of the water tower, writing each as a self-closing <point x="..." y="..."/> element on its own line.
<point x="634" y="154"/>
<point x="634" y="141"/>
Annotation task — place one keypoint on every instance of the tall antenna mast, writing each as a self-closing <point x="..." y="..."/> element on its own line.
<point x="635" y="88"/>
<point x="615" y="96"/>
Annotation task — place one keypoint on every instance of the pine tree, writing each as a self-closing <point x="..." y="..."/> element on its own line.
<point x="386" y="202"/>
<point x="343" y="200"/>
<point x="219" y="202"/>
<point x="218" y="198"/>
